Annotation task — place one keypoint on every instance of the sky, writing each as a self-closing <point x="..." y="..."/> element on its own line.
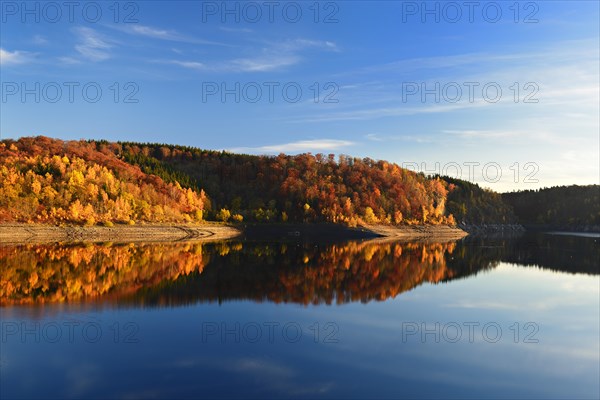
<point x="502" y="93"/>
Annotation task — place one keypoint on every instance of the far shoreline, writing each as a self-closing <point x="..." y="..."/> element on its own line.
<point x="23" y="233"/>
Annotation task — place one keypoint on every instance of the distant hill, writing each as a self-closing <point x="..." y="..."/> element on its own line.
<point x="561" y="206"/>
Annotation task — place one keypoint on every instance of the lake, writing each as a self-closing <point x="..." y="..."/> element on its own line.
<point x="476" y="318"/>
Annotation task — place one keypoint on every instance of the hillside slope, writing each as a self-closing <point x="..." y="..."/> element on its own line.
<point x="472" y="205"/>
<point x="301" y="188"/>
<point x="49" y="180"/>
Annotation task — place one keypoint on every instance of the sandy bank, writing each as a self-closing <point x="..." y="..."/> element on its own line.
<point x="441" y="232"/>
<point x="40" y="233"/>
<point x="336" y="232"/>
<point x="29" y="233"/>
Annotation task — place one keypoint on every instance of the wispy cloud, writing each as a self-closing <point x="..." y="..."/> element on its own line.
<point x="301" y="146"/>
<point x="406" y="138"/>
<point x="280" y="55"/>
<point x="558" y="53"/>
<point x="154" y="32"/>
<point x="92" y="45"/>
<point x="301" y="44"/>
<point x="15" y="57"/>
<point x="272" y="57"/>
<point x="482" y="134"/>
<point x="166" y="34"/>
<point x="394" y="111"/>
<point x="562" y="74"/>
<point x="187" y="64"/>
<point x="264" y="63"/>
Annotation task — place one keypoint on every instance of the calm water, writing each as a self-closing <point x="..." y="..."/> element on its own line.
<point x="478" y="318"/>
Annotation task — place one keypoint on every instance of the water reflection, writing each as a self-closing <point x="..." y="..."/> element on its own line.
<point x="55" y="272"/>
<point x="309" y="274"/>
<point x="183" y="273"/>
<point x="107" y="321"/>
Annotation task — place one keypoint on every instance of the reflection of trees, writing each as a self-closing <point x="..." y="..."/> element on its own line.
<point x="175" y="273"/>
<point x="564" y="253"/>
<point x="50" y="273"/>
<point x="306" y="274"/>
<point x="180" y="273"/>
<point x="561" y="253"/>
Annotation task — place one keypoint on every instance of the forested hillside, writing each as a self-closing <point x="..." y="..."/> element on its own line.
<point x="471" y="204"/>
<point x="302" y="188"/>
<point x="560" y="206"/>
<point x="91" y="182"/>
<point x="48" y="180"/>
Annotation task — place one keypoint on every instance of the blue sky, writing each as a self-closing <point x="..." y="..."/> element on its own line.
<point x="411" y="82"/>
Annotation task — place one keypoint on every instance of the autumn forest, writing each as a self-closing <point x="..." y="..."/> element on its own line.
<point x="46" y="180"/>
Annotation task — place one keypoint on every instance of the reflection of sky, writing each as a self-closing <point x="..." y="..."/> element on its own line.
<point x="370" y="357"/>
<point x="565" y="307"/>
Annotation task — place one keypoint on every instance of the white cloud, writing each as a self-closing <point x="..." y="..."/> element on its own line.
<point x="301" y="146"/>
<point x="280" y="55"/>
<point x="300" y="44"/>
<point x="188" y="64"/>
<point x="153" y="32"/>
<point x="92" y="45"/>
<point x="14" y="57"/>
<point x="273" y="57"/>
<point x="483" y="134"/>
<point x="263" y="64"/>
<point x="406" y="138"/>
<point x="165" y="34"/>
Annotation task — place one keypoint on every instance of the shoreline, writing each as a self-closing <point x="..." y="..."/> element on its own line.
<point x="338" y="232"/>
<point x="42" y="233"/>
<point x="20" y="233"/>
<point x="442" y="232"/>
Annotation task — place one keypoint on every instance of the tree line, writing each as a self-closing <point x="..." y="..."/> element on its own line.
<point x="561" y="206"/>
<point x="101" y="182"/>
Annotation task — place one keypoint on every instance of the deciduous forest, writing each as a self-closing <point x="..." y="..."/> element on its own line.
<point x="48" y="180"/>
<point x="99" y="182"/>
